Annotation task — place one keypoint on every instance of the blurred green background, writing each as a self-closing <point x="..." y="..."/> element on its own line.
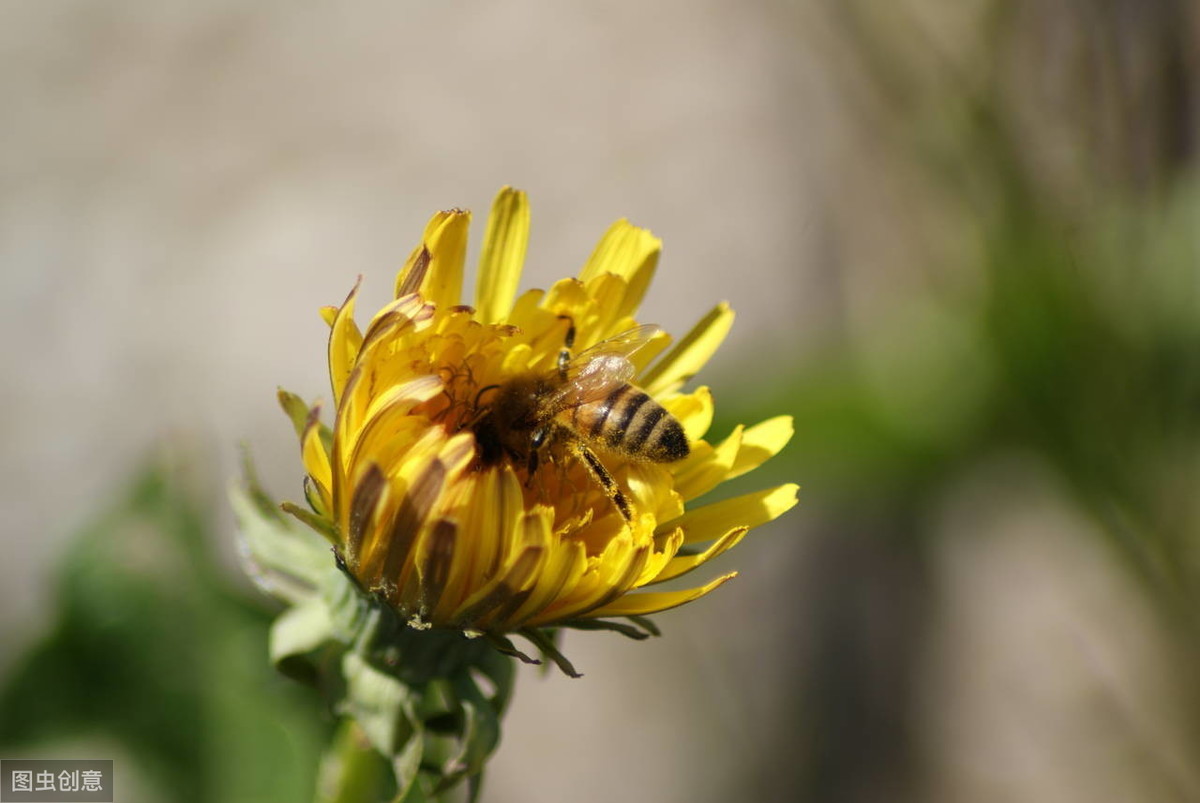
<point x="963" y="240"/>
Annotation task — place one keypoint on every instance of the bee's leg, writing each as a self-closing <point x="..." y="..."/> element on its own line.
<point x="606" y="481"/>
<point x="564" y="354"/>
<point x="531" y="466"/>
<point x="513" y="455"/>
<point x="535" y="450"/>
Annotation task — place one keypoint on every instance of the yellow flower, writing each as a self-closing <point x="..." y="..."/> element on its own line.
<point x="425" y="488"/>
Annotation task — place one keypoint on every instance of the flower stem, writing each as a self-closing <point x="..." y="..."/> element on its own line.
<point x="351" y="770"/>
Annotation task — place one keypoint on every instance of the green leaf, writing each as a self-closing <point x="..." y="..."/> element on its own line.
<point x="152" y="647"/>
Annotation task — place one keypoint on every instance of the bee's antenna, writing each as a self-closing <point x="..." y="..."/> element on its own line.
<point x="564" y="354"/>
<point x="569" y="340"/>
<point x="482" y="391"/>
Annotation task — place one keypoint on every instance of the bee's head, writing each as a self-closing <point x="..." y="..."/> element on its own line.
<point x="514" y="404"/>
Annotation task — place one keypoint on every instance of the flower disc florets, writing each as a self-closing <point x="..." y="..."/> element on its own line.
<point x="443" y="515"/>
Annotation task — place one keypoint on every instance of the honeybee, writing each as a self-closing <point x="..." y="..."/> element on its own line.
<point x="585" y="401"/>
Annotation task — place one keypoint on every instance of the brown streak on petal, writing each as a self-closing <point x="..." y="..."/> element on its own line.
<point x="314" y="417"/>
<point x="352" y="292"/>
<point x="559" y="582"/>
<point x="498" y="595"/>
<point x="347" y="391"/>
<point x="510" y="608"/>
<point x="380" y="326"/>
<point x="313" y="496"/>
<point x="416" y="274"/>
<point x="438" y="557"/>
<point x="362" y="508"/>
<point x="414" y="509"/>
<point x="396" y="322"/>
<point x="517" y="576"/>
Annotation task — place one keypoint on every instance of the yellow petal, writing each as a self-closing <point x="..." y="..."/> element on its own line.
<point x="486" y="518"/>
<point x="607" y="576"/>
<point x="503" y="255"/>
<point x="374" y="367"/>
<point x="604" y="317"/>
<point x="565" y="564"/>
<point x="567" y="297"/>
<point x="445" y="240"/>
<point x="316" y="459"/>
<point x="629" y="252"/>
<point x="693" y="410"/>
<point x="404" y="506"/>
<point x="749" y="510"/>
<point x="516" y="360"/>
<point x="660" y="559"/>
<point x="417" y="511"/>
<point x="502" y="589"/>
<point x="344" y="342"/>
<point x="683" y="564"/>
<point x="518" y="572"/>
<point x="409" y="309"/>
<point x="649" y="488"/>
<point x="646" y="354"/>
<point x="527" y="310"/>
<point x="761" y="442"/>
<point x="707" y="466"/>
<point x="689" y="355"/>
<point x="411" y="278"/>
<point x="655" y="601"/>
<point x="506" y="604"/>
<point x="385" y="413"/>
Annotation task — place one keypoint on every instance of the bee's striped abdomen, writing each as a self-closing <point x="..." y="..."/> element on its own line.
<point x="630" y="422"/>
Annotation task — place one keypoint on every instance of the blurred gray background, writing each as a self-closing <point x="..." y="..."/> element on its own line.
<point x="183" y="185"/>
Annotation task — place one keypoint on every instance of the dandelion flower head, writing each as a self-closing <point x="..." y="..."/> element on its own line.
<point x="431" y="508"/>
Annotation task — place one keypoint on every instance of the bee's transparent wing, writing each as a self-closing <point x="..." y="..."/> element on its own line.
<point x="620" y="345"/>
<point x="597" y="371"/>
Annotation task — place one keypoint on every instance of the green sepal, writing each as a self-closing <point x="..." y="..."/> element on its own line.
<point x="637" y="631"/>
<point x="296" y="409"/>
<point x="261" y="501"/>
<point x="384" y="708"/>
<point x="481" y="731"/>
<point x="299" y="412"/>
<point x="319" y="524"/>
<point x="502" y="672"/>
<point x="285" y="560"/>
<point x="543" y="639"/>
<point x="503" y="644"/>
<point x="317" y="504"/>
<point x="296" y="635"/>
<point x="646" y="623"/>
